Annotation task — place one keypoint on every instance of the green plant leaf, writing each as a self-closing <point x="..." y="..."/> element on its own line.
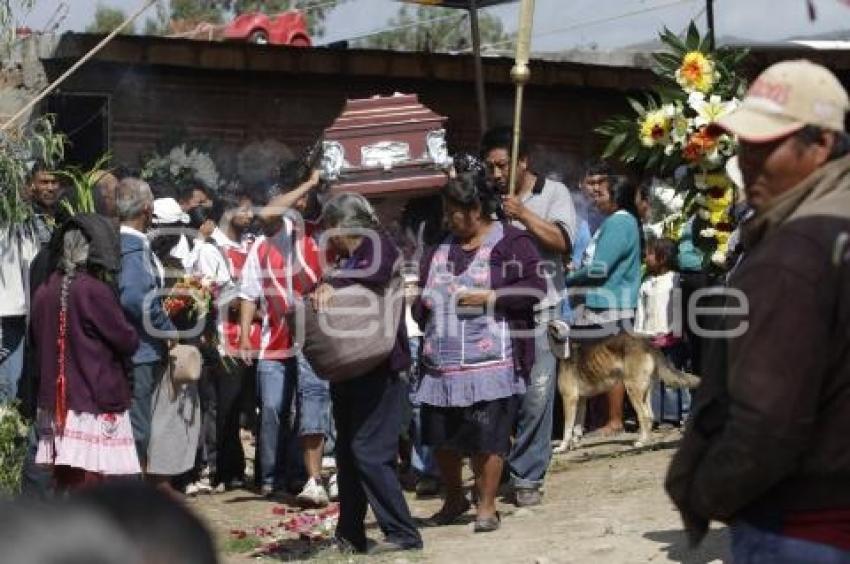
<point x="654" y="159"/>
<point x="672" y="40"/>
<point x="615" y="144"/>
<point x="636" y="106"/>
<point x="692" y="41"/>
<point x="668" y="61"/>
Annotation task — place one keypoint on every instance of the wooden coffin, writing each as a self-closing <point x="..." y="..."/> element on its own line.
<point x="386" y="146"/>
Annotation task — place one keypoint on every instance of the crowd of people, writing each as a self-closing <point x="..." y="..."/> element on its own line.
<point x="161" y="335"/>
<point x="125" y="376"/>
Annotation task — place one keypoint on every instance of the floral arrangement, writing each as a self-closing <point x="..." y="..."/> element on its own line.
<point x="671" y="137"/>
<point x="191" y="296"/>
<point x="19" y="149"/>
<point x="182" y="166"/>
<point x="13" y="449"/>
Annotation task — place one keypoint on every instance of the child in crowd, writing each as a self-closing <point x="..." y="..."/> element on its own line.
<point x="659" y="317"/>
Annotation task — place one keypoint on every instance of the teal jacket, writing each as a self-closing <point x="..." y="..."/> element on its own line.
<point x="690" y="256"/>
<point x="611" y="276"/>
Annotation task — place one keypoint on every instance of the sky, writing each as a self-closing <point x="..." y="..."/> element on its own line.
<point x="559" y="24"/>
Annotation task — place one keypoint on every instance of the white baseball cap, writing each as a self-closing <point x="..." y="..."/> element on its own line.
<point x="168" y="211"/>
<point x="786" y="97"/>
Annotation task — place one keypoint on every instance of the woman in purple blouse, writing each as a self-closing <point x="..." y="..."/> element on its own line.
<point x="478" y="287"/>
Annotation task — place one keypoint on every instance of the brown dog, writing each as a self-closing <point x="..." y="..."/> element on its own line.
<point x="596" y="368"/>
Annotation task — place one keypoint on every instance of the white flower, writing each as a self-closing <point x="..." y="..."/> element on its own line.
<point x="709" y="111"/>
<point x="671" y="110"/>
<point x="719" y="258"/>
<point x="708" y="233"/>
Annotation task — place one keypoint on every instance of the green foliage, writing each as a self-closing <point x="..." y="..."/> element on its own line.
<point x="19" y="148"/>
<point x="436" y="29"/>
<point x="106" y="19"/>
<point x="13" y="449"/>
<point x="196" y="11"/>
<point x="160" y="23"/>
<point x="83" y="183"/>
<point x="240" y="545"/>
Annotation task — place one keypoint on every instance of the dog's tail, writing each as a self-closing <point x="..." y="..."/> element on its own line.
<point x="671" y="376"/>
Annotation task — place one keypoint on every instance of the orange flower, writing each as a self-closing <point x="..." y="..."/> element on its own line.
<point x="699" y="144"/>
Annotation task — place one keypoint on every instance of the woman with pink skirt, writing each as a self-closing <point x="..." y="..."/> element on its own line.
<point x="83" y="341"/>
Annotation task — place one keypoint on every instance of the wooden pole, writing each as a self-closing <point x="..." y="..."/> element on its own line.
<point x="46" y="92"/>
<point x="709" y="15"/>
<point x="520" y="75"/>
<point x="479" y="67"/>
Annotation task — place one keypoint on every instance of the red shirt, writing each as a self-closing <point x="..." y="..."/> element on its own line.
<point x="230" y="328"/>
<point x="276" y="280"/>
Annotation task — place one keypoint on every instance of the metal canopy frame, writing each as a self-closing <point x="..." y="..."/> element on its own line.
<point x="463" y="4"/>
<point x="475" y="30"/>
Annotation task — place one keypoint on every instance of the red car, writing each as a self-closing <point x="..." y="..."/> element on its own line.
<point x="288" y="28"/>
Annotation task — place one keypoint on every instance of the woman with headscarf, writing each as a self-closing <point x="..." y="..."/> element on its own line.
<point x="367" y="410"/>
<point x="83" y="341"/>
<point x="479" y="287"/>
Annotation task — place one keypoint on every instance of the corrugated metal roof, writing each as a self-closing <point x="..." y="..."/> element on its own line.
<point x="245" y="57"/>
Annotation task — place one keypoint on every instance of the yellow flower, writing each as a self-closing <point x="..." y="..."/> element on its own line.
<point x="697" y="73"/>
<point x="720" y="201"/>
<point x="655" y="128"/>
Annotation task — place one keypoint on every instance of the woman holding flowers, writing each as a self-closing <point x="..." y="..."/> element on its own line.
<point x="176" y="407"/>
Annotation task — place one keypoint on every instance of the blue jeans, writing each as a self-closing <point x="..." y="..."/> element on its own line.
<point x="314" y="401"/>
<point x="422" y="457"/>
<point x="532" y="449"/>
<point x="12" y="335"/>
<point x="751" y="545"/>
<point x="670" y="405"/>
<point x="278" y="450"/>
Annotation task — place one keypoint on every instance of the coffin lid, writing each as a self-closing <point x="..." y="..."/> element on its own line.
<point x="379" y="111"/>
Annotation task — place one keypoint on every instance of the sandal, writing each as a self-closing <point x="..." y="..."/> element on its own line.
<point x="488" y="524"/>
<point x="443" y="517"/>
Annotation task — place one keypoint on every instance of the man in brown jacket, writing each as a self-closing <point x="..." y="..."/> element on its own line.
<point x="767" y="447"/>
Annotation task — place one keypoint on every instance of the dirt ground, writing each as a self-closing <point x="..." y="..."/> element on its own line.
<point x="604" y="503"/>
